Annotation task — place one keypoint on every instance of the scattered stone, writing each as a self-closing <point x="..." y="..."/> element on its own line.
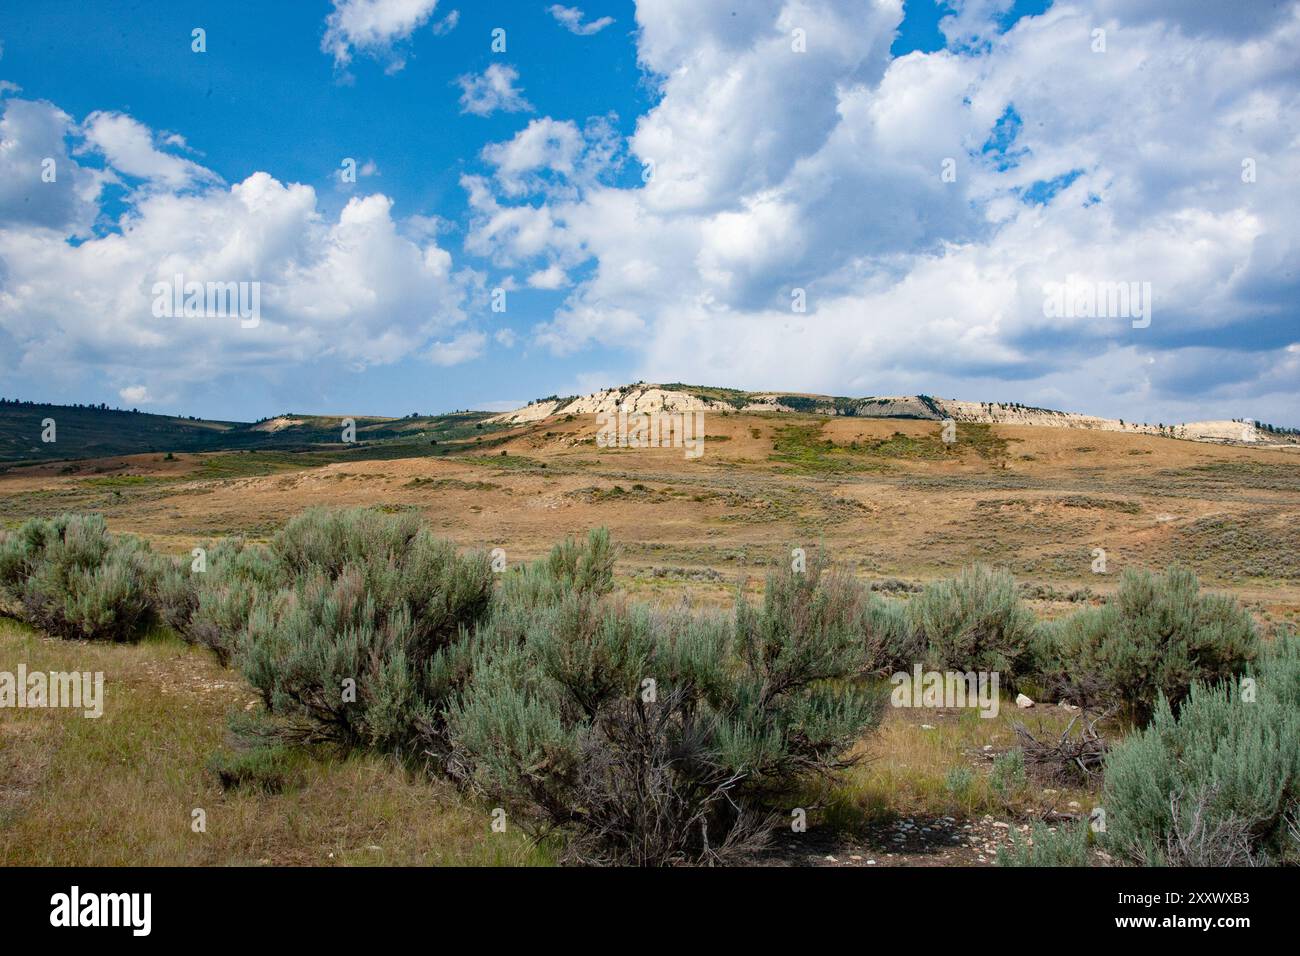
<point x="1022" y="701"/>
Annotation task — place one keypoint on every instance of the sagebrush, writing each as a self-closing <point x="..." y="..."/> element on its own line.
<point x="69" y="576"/>
<point x="1218" y="782"/>
<point x="1158" y="636"/>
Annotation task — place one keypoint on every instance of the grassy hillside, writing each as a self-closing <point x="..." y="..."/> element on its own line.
<point x="89" y="432"/>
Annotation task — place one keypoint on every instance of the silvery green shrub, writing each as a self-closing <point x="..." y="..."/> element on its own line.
<point x="656" y="738"/>
<point x="72" y="578"/>
<point x="211" y="607"/>
<point x="346" y="650"/>
<point x="1218" y="782"/>
<point x="975" y="622"/>
<point x="1158" y="636"/>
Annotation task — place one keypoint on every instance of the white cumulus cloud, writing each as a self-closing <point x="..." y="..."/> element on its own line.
<point x="492" y="90"/>
<point x="571" y="18"/>
<point x="373" y="27"/>
<point x="780" y="174"/>
<point x="350" y="290"/>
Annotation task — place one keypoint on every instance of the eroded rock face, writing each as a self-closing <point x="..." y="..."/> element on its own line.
<point x="654" y="398"/>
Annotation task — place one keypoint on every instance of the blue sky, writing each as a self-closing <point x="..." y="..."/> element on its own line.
<point x="264" y="97"/>
<point x="774" y="169"/>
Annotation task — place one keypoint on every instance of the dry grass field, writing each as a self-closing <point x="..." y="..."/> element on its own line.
<point x="884" y="497"/>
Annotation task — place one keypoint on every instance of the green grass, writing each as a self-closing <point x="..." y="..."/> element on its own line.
<point x="254" y="464"/>
<point x="803" y="447"/>
<point x="127" y="481"/>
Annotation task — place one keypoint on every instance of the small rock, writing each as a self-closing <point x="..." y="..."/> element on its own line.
<point x="927" y="727"/>
<point x="1022" y="701"/>
<point x="871" y="863"/>
<point x="1073" y="804"/>
<point x="1001" y="826"/>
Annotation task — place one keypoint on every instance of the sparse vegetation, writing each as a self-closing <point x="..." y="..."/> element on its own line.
<point x="910" y="514"/>
<point x="1066" y="845"/>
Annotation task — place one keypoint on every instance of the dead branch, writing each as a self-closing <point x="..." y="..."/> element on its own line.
<point x="1071" y="757"/>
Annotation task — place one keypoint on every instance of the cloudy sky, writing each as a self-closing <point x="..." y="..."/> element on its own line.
<point x="651" y="190"/>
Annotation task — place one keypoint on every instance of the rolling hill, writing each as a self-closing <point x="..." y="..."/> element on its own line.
<point x="99" y="432"/>
<point x="83" y="432"/>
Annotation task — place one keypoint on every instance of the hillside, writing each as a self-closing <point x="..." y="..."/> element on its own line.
<point x="643" y="398"/>
<point x="100" y="432"/>
<point x="84" y="432"/>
